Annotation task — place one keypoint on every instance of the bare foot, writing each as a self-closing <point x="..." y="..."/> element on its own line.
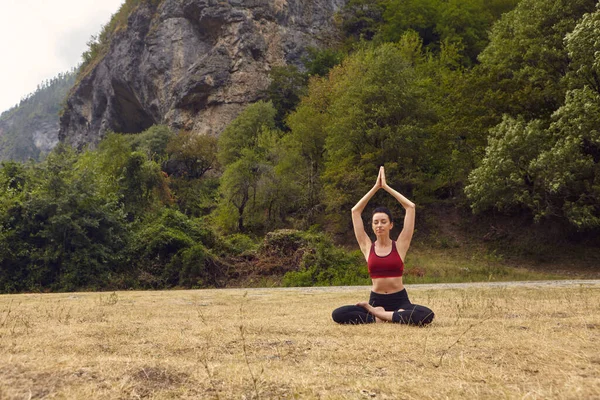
<point x="372" y="310"/>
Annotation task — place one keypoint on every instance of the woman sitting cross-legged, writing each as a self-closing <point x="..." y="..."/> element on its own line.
<point x="388" y="301"/>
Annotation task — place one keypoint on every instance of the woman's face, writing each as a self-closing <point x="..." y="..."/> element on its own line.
<point x="381" y="224"/>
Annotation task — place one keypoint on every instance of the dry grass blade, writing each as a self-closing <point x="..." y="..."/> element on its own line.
<point x="437" y="365"/>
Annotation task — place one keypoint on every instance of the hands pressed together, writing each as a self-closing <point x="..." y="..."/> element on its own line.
<point x="381" y="182"/>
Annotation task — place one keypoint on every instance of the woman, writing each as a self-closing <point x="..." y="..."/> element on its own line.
<point x="388" y="301"/>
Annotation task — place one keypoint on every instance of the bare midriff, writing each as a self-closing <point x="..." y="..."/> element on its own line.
<point x="387" y="285"/>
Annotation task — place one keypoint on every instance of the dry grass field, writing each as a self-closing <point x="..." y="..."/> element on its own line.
<point x="485" y="342"/>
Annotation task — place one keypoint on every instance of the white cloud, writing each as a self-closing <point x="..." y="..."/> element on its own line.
<point x="40" y="38"/>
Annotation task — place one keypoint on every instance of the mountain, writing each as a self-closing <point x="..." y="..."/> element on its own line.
<point x="30" y="129"/>
<point x="191" y="64"/>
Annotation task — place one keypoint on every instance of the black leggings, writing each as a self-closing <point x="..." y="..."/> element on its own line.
<point x="412" y="315"/>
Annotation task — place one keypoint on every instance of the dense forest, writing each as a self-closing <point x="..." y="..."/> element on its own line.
<point x="489" y="106"/>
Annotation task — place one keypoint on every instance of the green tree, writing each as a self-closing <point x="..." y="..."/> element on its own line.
<point x="244" y="130"/>
<point x="287" y="85"/>
<point x="249" y="187"/>
<point x="464" y="23"/>
<point x="569" y="172"/>
<point x="549" y="166"/>
<point x="191" y="158"/>
<point x="239" y="185"/>
<point x="140" y="182"/>
<point x="153" y="141"/>
<point x="191" y="155"/>
<point x="505" y="179"/>
<point x="170" y="249"/>
<point x="377" y="116"/>
<point x="360" y="19"/>
<point x="302" y="153"/>
<point x="319" y="62"/>
<point x="526" y="60"/>
<point x="583" y="48"/>
<point x="64" y="233"/>
<point x="417" y="15"/>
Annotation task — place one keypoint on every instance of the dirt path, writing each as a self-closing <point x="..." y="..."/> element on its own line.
<point x="529" y="284"/>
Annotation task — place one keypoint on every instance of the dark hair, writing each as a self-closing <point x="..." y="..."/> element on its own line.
<point x="384" y="210"/>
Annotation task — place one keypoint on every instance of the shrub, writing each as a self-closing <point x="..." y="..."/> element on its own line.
<point x="240" y="244"/>
<point x="160" y="245"/>
<point x="322" y="263"/>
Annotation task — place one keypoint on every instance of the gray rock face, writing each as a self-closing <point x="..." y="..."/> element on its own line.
<point x="192" y="64"/>
<point x="45" y="135"/>
<point x="23" y="137"/>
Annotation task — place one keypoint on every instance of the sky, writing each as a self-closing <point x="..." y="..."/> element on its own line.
<point x="41" y="38"/>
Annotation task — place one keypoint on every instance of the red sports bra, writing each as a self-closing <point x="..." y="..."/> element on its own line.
<point x="385" y="267"/>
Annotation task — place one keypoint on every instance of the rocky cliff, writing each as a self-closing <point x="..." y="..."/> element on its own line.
<point x="30" y="129"/>
<point x="192" y="64"/>
<point x="25" y="137"/>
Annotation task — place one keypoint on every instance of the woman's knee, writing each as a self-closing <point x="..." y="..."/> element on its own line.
<point x="352" y="315"/>
<point x="418" y="315"/>
<point x="426" y="316"/>
<point x="338" y="315"/>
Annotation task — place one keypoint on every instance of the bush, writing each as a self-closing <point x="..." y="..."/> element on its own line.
<point x="162" y="250"/>
<point x="239" y="244"/>
<point x="59" y="230"/>
<point x="153" y="141"/>
<point x="195" y="267"/>
<point x="322" y="263"/>
<point x="284" y="242"/>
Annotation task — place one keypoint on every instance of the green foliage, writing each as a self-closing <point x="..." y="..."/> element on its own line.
<point x="243" y="132"/>
<point x="96" y="220"/>
<point x="239" y="186"/>
<point x="287" y="85"/>
<point x="464" y="23"/>
<point x="194" y="267"/>
<point x="189" y="162"/>
<point x="191" y="155"/>
<point x="324" y="264"/>
<point x="252" y="192"/>
<point x="569" y="172"/>
<point x="583" y="48"/>
<point x="141" y="183"/>
<point x="417" y="15"/>
<point x="553" y="172"/>
<point x="504" y="180"/>
<point x="195" y="197"/>
<point x="360" y="19"/>
<point x="526" y="59"/>
<point x="240" y="244"/>
<point x="377" y="115"/>
<point x="166" y="247"/>
<point x="302" y="155"/>
<point x="319" y="62"/>
<point x="153" y="141"/>
<point x="550" y="166"/>
<point x="61" y="222"/>
<point x="131" y="166"/>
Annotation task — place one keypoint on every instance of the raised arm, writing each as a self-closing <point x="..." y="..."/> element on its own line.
<point x="405" y="237"/>
<point x="359" y="229"/>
